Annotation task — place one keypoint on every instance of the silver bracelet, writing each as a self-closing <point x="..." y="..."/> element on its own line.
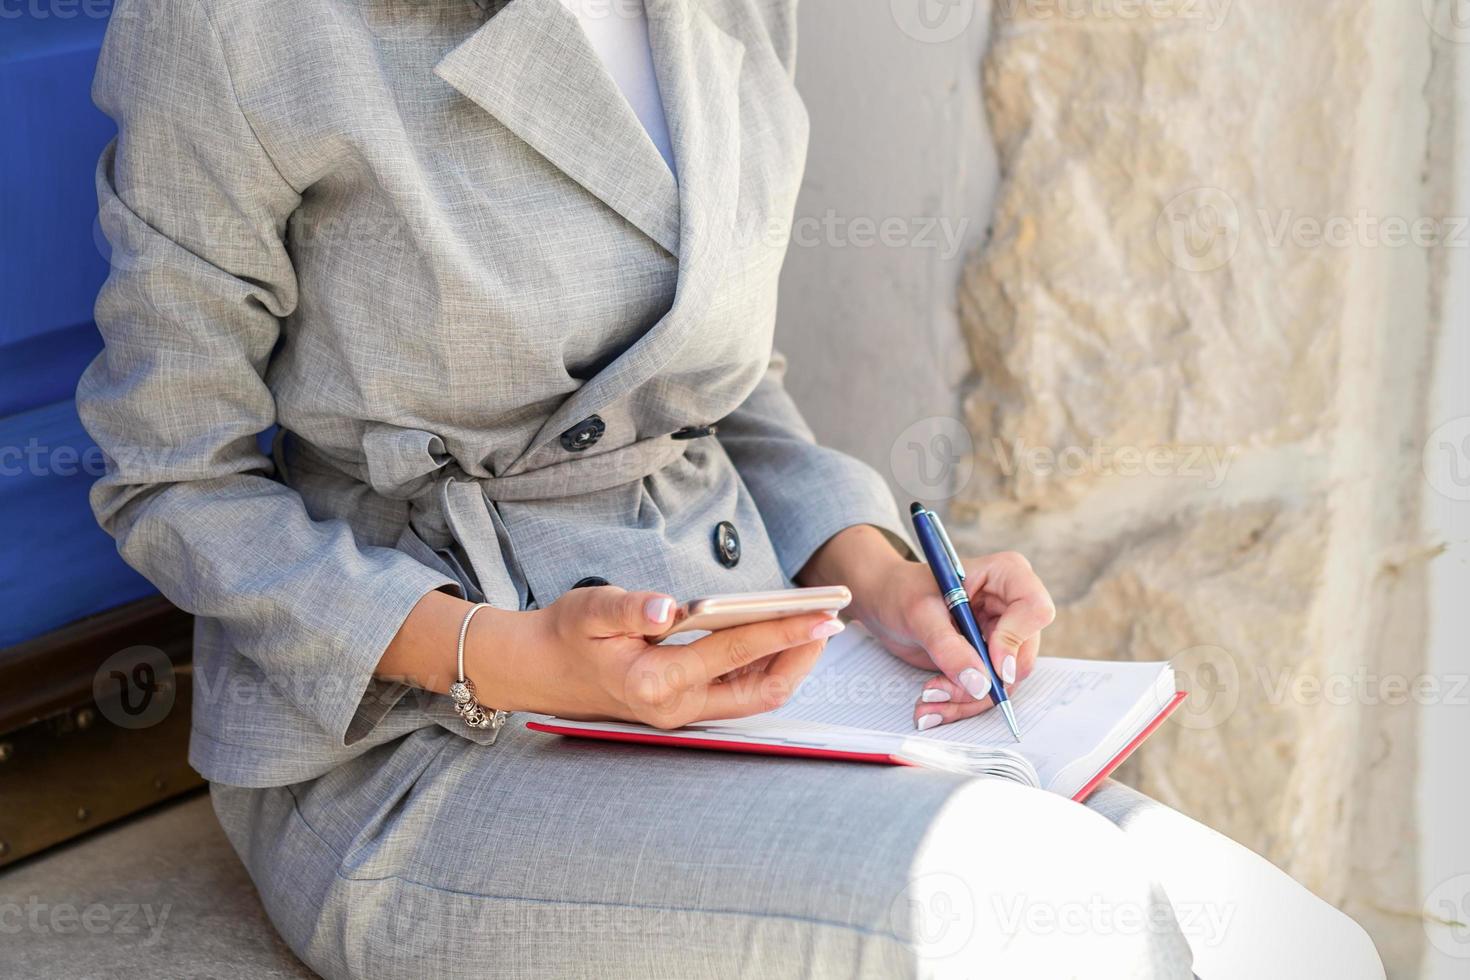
<point x="466" y="702"/>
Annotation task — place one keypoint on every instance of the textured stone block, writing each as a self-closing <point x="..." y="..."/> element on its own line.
<point x="1196" y="344"/>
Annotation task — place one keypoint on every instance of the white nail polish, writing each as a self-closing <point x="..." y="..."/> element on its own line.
<point x="657" y="610"/>
<point x="828" y="627"/>
<point x="1008" y="670"/>
<point x="927" y="722"/>
<point x="976" y="684"/>
<point x="933" y="695"/>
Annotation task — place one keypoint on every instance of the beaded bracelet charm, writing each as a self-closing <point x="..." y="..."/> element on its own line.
<point x="466" y="702"/>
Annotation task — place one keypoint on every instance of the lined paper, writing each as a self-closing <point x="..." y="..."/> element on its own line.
<point x="1069" y="711"/>
<point x="1074" y="715"/>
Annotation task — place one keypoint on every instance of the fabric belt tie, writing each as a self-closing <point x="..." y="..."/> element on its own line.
<point x="448" y="503"/>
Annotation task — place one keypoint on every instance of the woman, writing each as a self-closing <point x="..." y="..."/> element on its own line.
<point x="502" y="276"/>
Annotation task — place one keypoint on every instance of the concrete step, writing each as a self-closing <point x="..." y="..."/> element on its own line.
<point x="158" y="897"/>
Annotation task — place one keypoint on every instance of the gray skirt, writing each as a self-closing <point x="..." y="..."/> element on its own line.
<point x="544" y="857"/>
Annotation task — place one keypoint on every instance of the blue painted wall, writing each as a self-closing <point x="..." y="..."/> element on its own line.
<point x="56" y="565"/>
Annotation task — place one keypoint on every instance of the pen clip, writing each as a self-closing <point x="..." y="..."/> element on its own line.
<point x="954" y="558"/>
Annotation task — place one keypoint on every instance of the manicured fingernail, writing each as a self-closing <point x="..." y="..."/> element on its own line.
<point x="657" y="610"/>
<point x="1008" y="670"/>
<point x="933" y="695"/>
<point x="927" y="722"/>
<point x="828" y="627"/>
<point x="975" y="683"/>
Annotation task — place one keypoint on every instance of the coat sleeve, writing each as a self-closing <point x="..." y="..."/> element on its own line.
<point x="196" y="213"/>
<point x="806" y="493"/>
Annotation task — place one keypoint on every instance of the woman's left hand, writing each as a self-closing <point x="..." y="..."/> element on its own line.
<point x="911" y="620"/>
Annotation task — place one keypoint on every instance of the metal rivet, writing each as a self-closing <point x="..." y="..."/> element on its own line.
<point x="159" y="783"/>
<point x="85" y="717"/>
<point x="83" y="813"/>
<point x="4" y="848"/>
<point x="6" y="751"/>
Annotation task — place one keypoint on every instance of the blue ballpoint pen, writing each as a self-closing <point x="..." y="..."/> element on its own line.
<point x="949" y="572"/>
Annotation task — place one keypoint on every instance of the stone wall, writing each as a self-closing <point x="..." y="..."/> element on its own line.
<point x="899" y="181"/>
<point x="1201" y="332"/>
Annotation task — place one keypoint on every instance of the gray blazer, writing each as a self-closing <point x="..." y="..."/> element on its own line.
<point x="431" y="242"/>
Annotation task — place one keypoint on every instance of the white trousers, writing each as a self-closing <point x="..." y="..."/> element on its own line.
<point x="543" y="857"/>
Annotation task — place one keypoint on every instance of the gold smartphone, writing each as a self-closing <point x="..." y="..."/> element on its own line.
<point x="718" y="612"/>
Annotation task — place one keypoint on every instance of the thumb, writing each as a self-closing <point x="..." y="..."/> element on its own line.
<point x="611" y="611"/>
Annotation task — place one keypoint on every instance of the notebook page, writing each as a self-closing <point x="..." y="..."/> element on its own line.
<point x="1068" y="710"/>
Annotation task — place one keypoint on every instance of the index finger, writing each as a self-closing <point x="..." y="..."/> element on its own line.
<point x="1002" y="579"/>
<point x="711" y="657"/>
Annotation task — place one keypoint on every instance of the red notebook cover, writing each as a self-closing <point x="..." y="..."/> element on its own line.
<point x="570" y="728"/>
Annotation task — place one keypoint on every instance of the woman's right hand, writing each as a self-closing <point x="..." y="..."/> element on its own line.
<point x="586" y="656"/>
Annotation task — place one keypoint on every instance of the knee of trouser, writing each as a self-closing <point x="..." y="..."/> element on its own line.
<point x="1031" y="884"/>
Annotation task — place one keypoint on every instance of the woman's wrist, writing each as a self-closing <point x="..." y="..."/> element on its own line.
<point x="424" y="653"/>
<point x="860" y="557"/>
<point x="508" y="654"/>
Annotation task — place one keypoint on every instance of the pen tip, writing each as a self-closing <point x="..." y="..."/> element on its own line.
<point x="916" y="508"/>
<point x="1005" y="707"/>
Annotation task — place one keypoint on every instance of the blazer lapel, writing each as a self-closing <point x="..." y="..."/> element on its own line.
<point x="532" y="67"/>
<point x="698" y="66"/>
